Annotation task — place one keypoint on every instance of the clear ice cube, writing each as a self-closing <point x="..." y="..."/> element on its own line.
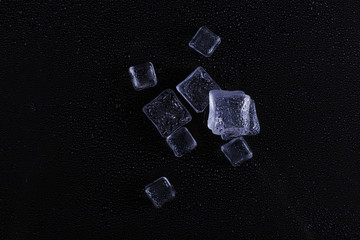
<point x="229" y="113"/>
<point x="181" y="142"/>
<point x="167" y="113"/>
<point x="143" y="76"/>
<point x="195" y="89"/>
<point x="160" y="192"/>
<point x="237" y="151"/>
<point x="205" y="41"/>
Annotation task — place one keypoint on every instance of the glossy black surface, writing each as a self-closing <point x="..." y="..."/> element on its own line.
<point x="77" y="151"/>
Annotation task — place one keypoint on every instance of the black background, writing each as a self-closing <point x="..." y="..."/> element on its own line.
<point x="76" y="150"/>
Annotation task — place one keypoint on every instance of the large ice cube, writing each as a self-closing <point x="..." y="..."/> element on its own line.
<point x="254" y="127"/>
<point x="237" y="151"/>
<point x="195" y="89"/>
<point x="143" y="76"/>
<point x="167" y="113"/>
<point x="229" y="113"/>
<point x="205" y="41"/>
<point x="160" y="192"/>
<point x="181" y="142"/>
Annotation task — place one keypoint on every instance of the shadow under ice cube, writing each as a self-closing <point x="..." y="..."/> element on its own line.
<point x="160" y="192"/>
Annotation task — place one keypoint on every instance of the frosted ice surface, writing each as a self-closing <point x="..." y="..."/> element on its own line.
<point x="254" y="127"/>
<point x="167" y="113"/>
<point x="160" y="192"/>
<point x="229" y="113"/>
<point x="195" y="89"/>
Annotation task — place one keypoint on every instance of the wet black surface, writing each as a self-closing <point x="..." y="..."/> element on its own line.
<point x="76" y="150"/>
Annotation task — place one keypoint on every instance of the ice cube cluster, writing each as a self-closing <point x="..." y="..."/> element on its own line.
<point x="232" y="114"/>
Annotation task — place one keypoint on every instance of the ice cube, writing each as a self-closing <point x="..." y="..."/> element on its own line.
<point x="229" y="113"/>
<point x="167" y="113"/>
<point x="181" y="142"/>
<point x="160" y="192"/>
<point x="254" y="121"/>
<point x="143" y="76"/>
<point x="205" y="41"/>
<point x="254" y="127"/>
<point x="237" y="151"/>
<point x="195" y="89"/>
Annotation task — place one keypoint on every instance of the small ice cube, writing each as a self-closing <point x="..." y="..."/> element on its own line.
<point x="181" y="142"/>
<point x="167" y="113"/>
<point x="237" y="151"/>
<point x="143" y="76"/>
<point x="229" y="113"/>
<point x="160" y="192"/>
<point x="195" y="89"/>
<point x="205" y="41"/>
